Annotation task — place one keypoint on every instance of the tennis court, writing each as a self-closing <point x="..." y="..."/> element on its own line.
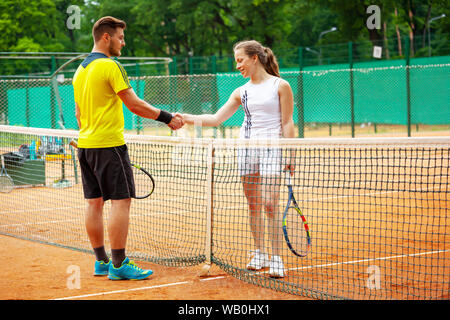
<point x="43" y="272"/>
<point x="377" y="211"/>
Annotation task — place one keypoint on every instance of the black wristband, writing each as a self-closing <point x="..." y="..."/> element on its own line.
<point x="165" y="117"/>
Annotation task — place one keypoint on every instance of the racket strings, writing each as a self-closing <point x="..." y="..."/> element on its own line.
<point x="6" y="183"/>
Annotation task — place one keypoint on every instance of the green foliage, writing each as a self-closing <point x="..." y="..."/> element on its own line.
<point x="211" y="27"/>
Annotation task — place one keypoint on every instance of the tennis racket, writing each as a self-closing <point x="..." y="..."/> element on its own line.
<point x="143" y="181"/>
<point x="295" y="227"/>
<point x="6" y="183"/>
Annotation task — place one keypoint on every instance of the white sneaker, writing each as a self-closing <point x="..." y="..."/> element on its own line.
<point x="276" y="267"/>
<point x="259" y="261"/>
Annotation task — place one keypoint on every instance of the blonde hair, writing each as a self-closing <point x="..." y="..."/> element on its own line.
<point x="265" y="55"/>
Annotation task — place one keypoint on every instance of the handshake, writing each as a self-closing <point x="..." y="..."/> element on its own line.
<point x="177" y="121"/>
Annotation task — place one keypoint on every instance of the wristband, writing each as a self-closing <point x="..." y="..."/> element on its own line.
<point x="164" y="116"/>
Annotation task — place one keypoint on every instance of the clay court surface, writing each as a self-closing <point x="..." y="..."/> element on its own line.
<point x="40" y="272"/>
<point x="412" y="259"/>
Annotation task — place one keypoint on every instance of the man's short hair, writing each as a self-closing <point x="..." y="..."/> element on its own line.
<point x="107" y="25"/>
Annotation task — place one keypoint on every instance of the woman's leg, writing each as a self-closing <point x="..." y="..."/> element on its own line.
<point x="252" y="191"/>
<point x="270" y="197"/>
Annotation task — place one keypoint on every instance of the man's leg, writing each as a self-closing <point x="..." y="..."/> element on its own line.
<point x="94" y="227"/>
<point x="118" y="229"/>
<point x="122" y="267"/>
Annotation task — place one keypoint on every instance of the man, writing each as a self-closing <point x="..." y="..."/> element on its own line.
<point x="100" y="86"/>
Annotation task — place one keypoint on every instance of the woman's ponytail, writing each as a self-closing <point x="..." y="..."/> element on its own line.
<point x="271" y="63"/>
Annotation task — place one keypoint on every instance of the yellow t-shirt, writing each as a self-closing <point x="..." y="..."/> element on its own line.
<point x="96" y="83"/>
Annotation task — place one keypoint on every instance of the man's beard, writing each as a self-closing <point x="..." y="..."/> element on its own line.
<point x="113" y="52"/>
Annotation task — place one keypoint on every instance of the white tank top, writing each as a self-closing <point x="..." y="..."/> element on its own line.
<point x="261" y="104"/>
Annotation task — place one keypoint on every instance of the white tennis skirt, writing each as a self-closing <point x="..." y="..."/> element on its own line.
<point x="266" y="161"/>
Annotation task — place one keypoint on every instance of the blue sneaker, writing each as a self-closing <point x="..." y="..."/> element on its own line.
<point x="101" y="268"/>
<point x="128" y="271"/>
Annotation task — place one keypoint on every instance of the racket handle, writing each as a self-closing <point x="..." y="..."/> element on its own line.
<point x="73" y="143"/>
<point x="288" y="178"/>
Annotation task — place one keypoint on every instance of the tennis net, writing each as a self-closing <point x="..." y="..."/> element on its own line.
<point x="377" y="209"/>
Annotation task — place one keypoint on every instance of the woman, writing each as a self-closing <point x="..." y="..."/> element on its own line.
<point x="268" y="104"/>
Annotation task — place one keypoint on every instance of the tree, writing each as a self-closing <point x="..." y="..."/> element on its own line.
<point x="26" y="25"/>
<point x="211" y="27"/>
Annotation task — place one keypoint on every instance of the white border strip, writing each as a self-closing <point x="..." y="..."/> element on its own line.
<point x="123" y="291"/>
<point x="442" y="141"/>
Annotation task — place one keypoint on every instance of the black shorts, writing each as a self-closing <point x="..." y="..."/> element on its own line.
<point x="106" y="173"/>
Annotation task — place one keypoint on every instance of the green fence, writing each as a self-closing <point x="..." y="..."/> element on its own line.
<point x="396" y="92"/>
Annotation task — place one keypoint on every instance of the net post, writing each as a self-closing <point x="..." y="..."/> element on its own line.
<point x="27" y="103"/>
<point x="408" y="87"/>
<point x="230" y="64"/>
<point x="191" y="65"/>
<point x="213" y="64"/>
<point x="209" y="207"/>
<point x="138" y="89"/>
<point x="4" y="110"/>
<point x="173" y="66"/>
<point x="352" y="98"/>
<point x="300" y="105"/>
<point x="53" y="96"/>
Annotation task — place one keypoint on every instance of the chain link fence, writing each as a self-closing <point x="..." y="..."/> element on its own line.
<point x="383" y="97"/>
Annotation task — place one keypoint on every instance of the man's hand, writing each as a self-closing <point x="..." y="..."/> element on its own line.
<point x="177" y="122"/>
